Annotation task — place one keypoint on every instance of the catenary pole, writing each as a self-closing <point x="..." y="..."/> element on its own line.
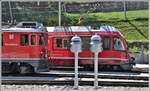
<point x="0" y="42"/>
<point x="59" y="13"/>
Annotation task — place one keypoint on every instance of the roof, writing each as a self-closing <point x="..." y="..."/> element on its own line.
<point x="25" y="27"/>
<point x="15" y="29"/>
<point x="82" y="29"/>
<point x="69" y="29"/>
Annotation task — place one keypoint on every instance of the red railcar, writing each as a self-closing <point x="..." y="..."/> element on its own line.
<point x="115" y="51"/>
<point x="24" y="48"/>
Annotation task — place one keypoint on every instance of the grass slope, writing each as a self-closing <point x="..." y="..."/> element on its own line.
<point x="135" y="28"/>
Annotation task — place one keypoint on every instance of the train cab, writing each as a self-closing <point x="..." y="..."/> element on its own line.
<point x="24" y="48"/>
<point x="115" y="51"/>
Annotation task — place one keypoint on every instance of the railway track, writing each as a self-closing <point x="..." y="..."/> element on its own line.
<point x="69" y="81"/>
<point x="136" y="68"/>
<point x="85" y="78"/>
<point x="104" y="75"/>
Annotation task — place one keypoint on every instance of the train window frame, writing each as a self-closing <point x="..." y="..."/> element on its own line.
<point x="121" y="42"/>
<point x="108" y="44"/>
<point x="60" y="43"/>
<point x="26" y="44"/>
<point x="31" y="40"/>
<point x="63" y="45"/>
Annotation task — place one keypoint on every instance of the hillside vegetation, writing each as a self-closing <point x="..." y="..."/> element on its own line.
<point x="134" y="28"/>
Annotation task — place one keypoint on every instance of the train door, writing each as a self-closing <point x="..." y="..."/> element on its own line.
<point x="23" y="52"/>
<point x="119" y="51"/>
<point x="106" y="53"/>
<point x="33" y="45"/>
<point x="42" y="44"/>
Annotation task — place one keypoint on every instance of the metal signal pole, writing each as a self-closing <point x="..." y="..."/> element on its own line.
<point x="96" y="69"/>
<point x="76" y="82"/>
<point x="0" y="41"/>
<point x="96" y="47"/>
<point x="59" y="13"/>
<point x="10" y="11"/>
<point x="76" y="47"/>
<point x="149" y="45"/>
<point x="125" y="10"/>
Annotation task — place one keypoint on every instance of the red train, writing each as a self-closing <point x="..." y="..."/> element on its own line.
<point x="30" y="47"/>
<point x="114" y="55"/>
<point x="24" y="48"/>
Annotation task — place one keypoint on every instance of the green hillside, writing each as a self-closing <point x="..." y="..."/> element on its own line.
<point x="135" y="28"/>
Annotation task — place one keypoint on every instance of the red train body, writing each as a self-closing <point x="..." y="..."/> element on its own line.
<point x="115" y="51"/>
<point x="24" y="48"/>
<point x="28" y="47"/>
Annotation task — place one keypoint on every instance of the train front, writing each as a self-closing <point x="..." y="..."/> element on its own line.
<point x="24" y="48"/>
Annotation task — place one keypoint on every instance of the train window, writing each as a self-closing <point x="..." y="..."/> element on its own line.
<point x="33" y="39"/>
<point x="63" y="43"/>
<point x="2" y="40"/>
<point x="41" y="40"/>
<point x="24" y="40"/>
<point x="66" y="43"/>
<point x="106" y="44"/>
<point x="59" y="43"/>
<point x="85" y="42"/>
<point x="118" y="44"/>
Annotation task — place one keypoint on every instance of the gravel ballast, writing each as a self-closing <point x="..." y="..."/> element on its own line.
<point x="68" y="88"/>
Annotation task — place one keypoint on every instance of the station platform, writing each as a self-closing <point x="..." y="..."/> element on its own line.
<point x="141" y="67"/>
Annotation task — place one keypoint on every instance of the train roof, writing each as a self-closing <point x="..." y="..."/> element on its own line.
<point x="25" y="27"/>
<point x="72" y="29"/>
<point x="82" y="29"/>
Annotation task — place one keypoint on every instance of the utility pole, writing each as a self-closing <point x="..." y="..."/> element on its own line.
<point x="125" y="10"/>
<point x="149" y="45"/>
<point x="0" y="41"/>
<point x="10" y="11"/>
<point x="59" y="13"/>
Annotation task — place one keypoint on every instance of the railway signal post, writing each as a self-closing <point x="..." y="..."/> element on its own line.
<point x="76" y="47"/>
<point x="96" y="47"/>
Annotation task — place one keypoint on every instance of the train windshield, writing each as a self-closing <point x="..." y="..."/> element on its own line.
<point x="118" y="44"/>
